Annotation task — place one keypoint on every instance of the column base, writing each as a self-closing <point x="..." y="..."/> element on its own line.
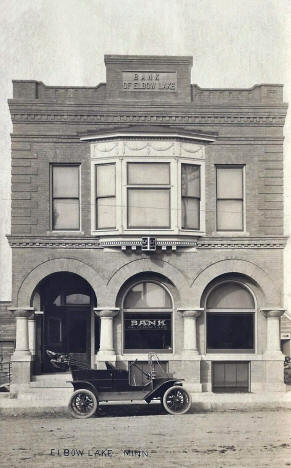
<point x="106" y="355"/>
<point x="21" y="372"/>
<point x="191" y="355"/>
<point x="273" y="356"/>
<point x="21" y="356"/>
<point x="193" y="387"/>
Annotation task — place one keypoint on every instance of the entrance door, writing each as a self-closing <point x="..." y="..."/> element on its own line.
<point x="68" y="330"/>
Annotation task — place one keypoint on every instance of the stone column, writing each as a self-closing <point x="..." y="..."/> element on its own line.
<point x="106" y="351"/>
<point x="273" y="359"/>
<point x="273" y="349"/>
<point x="32" y="336"/>
<point x="190" y="316"/>
<point x="21" y="358"/>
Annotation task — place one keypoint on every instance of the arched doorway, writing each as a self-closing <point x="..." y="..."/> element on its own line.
<point x="68" y="323"/>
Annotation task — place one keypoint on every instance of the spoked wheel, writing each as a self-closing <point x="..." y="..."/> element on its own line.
<point x="177" y="400"/>
<point x="83" y="404"/>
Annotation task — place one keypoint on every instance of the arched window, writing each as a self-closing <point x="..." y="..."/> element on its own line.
<point x="147" y="318"/>
<point x="230" y="316"/>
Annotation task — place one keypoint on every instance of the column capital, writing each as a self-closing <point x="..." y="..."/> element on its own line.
<point x="22" y="312"/>
<point x="109" y="312"/>
<point x="273" y="311"/>
<point x="191" y="311"/>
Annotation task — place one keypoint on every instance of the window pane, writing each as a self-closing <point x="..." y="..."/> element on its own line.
<point x="106" y="212"/>
<point x="229" y="215"/>
<point x="66" y="181"/>
<point x="148" y="208"/>
<point x="148" y="173"/>
<point x="229" y="182"/>
<point x="147" y="294"/>
<point x="66" y="214"/>
<point x="77" y="299"/>
<point x="190" y="213"/>
<point x="55" y="330"/>
<point x="57" y="301"/>
<point x="105" y="180"/>
<point x="77" y="335"/>
<point x="147" y="331"/>
<point x="230" y="296"/>
<point x="230" y="331"/>
<point x="190" y="180"/>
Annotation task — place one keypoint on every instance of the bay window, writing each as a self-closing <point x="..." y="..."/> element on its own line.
<point x="133" y="195"/>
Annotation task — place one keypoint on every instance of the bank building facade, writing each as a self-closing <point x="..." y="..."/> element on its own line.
<point x="147" y="216"/>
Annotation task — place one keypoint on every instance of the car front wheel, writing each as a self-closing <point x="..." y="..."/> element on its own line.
<point x="83" y="404"/>
<point x="177" y="400"/>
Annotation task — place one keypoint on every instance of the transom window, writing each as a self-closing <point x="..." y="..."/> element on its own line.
<point x="230" y="319"/>
<point x="147" y="318"/>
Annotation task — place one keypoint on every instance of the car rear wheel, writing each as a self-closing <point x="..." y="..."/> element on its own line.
<point x="83" y="404"/>
<point x="177" y="400"/>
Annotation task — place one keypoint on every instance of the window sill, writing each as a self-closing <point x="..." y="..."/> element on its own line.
<point x="148" y="232"/>
<point x="61" y="233"/>
<point x="232" y="357"/>
<point x="230" y="233"/>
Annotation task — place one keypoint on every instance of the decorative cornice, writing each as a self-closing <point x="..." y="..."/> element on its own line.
<point x="135" y="243"/>
<point x="243" y="243"/>
<point x="54" y="243"/>
<point x="200" y="118"/>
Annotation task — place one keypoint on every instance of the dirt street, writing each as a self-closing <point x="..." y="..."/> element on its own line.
<point x="143" y="436"/>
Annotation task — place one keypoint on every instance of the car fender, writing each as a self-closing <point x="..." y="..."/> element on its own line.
<point x="78" y="384"/>
<point x="160" y="389"/>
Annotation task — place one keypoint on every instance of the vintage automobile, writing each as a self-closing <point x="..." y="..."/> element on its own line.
<point x="111" y="384"/>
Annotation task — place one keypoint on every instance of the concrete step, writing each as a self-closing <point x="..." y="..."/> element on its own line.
<point x="44" y="394"/>
<point x="52" y="377"/>
<point x="57" y="380"/>
<point x="51" y="384"/>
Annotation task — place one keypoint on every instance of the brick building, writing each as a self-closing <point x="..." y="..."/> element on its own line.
<point x="147" y="215"/>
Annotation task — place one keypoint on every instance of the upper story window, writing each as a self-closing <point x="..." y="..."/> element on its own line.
<point x="152" y="195"/>
<point x="65" y="197"/>
<point x="105" y="196"/>
<point x="148" y="195"/>
<point x="230" y="198"/>
<point x="148" y="180"/>
<point x="190" y="196"/>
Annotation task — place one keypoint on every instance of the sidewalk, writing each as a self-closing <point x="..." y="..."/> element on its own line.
<point x="200" y="402"/>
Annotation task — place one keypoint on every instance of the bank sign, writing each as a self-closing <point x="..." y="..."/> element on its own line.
<point x="149" y="81"/>
<point x="146" y="324"/>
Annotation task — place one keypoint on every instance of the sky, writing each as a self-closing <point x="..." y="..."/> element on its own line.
<point x="234" y="43"/>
